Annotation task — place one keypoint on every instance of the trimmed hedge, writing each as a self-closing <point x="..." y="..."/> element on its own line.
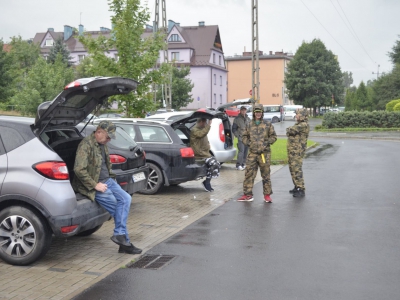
<point x="362" y="119"/>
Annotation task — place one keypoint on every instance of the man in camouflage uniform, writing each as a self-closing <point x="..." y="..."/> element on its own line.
<point x="94" y="179"/>
<point x="296" y="148"/>
<point x="201" y="148"/>
<point x="239" y="125"/>
<point x="259" y="135"/>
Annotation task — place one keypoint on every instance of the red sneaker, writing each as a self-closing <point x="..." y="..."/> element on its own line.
<point x="267" y="199"/>
<point x="246" y="198"/>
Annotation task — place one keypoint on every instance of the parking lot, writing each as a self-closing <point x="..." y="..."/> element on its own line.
<point x="75" y="263"/>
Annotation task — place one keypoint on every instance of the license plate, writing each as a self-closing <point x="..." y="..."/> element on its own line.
<point x="138" y="177"/>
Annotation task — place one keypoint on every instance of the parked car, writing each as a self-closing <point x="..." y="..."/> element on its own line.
<point x="232" y="111"/>
<point x="273" y="113"/>
<point x="110" y="115"/>
<point x="170" y="159"/>
<point x="220" y="135"/>
<point x="36" y="196"/>
<point x="290" y="111"/>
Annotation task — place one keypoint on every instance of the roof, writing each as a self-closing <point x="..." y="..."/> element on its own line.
<point x="273" y="56"/>
<point x="6" y="47"/>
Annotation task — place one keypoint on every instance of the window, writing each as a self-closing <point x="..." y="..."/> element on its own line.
<point x="220" y="80"/>
<point x="220" y="99"/>
<point x="174" y="38"/>
<point x="220" y="60"/>
<point x="49" y="42"/>
<point x="215" y="98"/>
<point x="153" y="134"/>
<point x="213" y="58"/>
<point x="215" y="79"/>
<point x="81" y="57"/>
<point x="116" y="57"/>
<point x="11" y="138"/>
<point x="175" y="56"/>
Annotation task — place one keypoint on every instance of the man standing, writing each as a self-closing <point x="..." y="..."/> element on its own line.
<point x="201" y="147"/>
<point x="296" y="148"/>
<point x="259" y="135"/>
<point x="238" y="127"/>
<point x="94" y="179"/>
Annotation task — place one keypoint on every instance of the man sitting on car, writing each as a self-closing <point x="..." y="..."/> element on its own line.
<point x="201" y="147"/>
<point x="94" y="179"/>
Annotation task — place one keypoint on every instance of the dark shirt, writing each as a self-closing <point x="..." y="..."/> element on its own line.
<point x="104" y="174"/>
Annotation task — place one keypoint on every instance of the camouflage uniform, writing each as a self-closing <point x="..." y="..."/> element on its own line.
<point x="258" y="138"/>
<point x="88" y="165"/>
<point x="296" y="147"/>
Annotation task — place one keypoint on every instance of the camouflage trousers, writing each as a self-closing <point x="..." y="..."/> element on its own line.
<point x="253" y="162"/>
<point x="295" y="162"/>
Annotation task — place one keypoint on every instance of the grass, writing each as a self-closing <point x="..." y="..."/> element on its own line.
<point x="9" y="113"/>
<point x="351" y="129"/>
<point x="278" y="150"/>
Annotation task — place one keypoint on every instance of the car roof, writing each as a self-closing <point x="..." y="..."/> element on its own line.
<point x="166" y="115"/>
<point x="129" y="120"/>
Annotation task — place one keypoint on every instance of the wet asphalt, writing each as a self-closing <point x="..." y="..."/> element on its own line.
<point x="341" y="241"/>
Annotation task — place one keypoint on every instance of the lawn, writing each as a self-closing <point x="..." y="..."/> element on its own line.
<point x="278" y="150"/>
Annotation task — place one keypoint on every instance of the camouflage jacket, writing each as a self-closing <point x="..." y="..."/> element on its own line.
<point x="199" y="141"/>
<point x="88" y="165"/>
<point x="259" y="137"/>
<point x="297" y="137"/>
<point x="239" y="125"/>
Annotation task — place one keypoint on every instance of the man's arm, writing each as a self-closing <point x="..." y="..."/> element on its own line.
<point x="81" y="165"/>
<point x="271" y="135"/>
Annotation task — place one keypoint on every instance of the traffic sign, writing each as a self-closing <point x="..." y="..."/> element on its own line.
<point x="251" y="92"/>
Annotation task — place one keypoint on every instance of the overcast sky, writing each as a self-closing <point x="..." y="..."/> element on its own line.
<point x="359" y="32"/>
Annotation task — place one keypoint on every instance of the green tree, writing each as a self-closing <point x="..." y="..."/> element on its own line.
<point x="180" y="89"/>
<point x="5" y="78"/>
<point x="364" y="102"/>
<point x="347" y="78"/>
<point x="59" y="48"/>
<point x="349" y="102"/>
<point x="43" y="83"/>
<point x="395" y="54"/>
<point x="396" y="107"/>
<point x="136" y="56"/>
<point x="390" y="105"/>
<point x="314" y="76"/>
<point x="387" y="88"/>
<point x="85" y="68"/>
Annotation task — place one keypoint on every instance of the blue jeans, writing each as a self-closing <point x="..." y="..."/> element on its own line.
<point x="242" y="153"/>
<point x="117" y="202"/>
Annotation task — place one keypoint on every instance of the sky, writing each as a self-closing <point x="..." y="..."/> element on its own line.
<point x="359" y="32"/>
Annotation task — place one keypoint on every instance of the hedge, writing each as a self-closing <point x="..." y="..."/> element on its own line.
<point x="362" y="119"/>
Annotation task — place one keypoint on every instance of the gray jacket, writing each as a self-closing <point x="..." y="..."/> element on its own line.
<point x="239" y="125"/>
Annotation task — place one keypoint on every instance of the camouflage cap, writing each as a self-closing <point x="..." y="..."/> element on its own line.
<point x="258" y="107"/>
<point x="303" y="114"/>
<point x="109" y="127"/>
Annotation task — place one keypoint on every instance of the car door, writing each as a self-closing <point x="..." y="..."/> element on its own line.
<point x="3" y="162"/>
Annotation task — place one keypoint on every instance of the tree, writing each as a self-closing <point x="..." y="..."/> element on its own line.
<point x="387" y="88"/>
<point x="136" y="56"/>
<point x="5" y="78"/>
<point x="314" y="77"/>
<point x="180" y="89"/>
<point x="395" y="54"/>
<point x="59" y="48"/>
<point x="347" y="79"/>
<point x="390" y="105"/>
<point x="42" y="83"/>
<point x="350" y="101"/>
<point x="364" y="102"/>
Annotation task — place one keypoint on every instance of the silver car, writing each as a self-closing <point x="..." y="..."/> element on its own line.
<point x="36" y="196"/>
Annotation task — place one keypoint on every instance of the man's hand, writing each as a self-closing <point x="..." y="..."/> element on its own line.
<point x="101" y="187"/>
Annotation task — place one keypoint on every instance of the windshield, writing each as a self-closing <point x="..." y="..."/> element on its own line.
<point x="123" y="140"/>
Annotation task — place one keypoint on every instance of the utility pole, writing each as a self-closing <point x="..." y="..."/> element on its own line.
<point x="255" y="57"/>
<point x="164" y="29"/>
<point x="377" y="74"/>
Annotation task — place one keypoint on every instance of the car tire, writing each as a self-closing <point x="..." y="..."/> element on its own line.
<point x="155" y="181"/>
<point x="89" y="231"/>
<point x="275" y="120"/>
<point x="25" y="235"/>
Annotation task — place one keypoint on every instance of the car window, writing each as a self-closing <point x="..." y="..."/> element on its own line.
<point x="2" y="150"/>
<point x="154" y="134"/>
<point x="78" y="101"/>
<point x="129" y="129"/>
<point x="11" y="138"/>
<point x="122" y="139"/>
<point x="271" y="109"/>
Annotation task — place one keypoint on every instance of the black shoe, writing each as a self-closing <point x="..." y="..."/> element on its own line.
<point x="211" y="189"/>
<point x="299" y="193"/>
<point x="293" y="190"/>
<point x="129" y="249"/>
<point x="120" y="240"/>
<point x="207" y="186"/>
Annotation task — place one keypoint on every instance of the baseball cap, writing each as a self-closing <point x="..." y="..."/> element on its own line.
<point x="109" y="127"/>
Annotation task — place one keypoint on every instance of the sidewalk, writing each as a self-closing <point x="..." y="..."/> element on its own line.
<point x="74" y="264"/>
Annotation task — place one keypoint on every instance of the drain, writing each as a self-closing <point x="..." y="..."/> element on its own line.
<point x="153" y="262"/>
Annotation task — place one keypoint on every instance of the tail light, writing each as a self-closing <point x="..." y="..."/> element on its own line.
<point x="221" y="133"/>
<point x="52" y="169"/>
<point x="187" y="152"/>
<point x="117" y="159"/>
<point x="73" y="84"/>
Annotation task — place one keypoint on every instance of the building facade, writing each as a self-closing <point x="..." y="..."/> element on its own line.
<point x="272" y="74"/>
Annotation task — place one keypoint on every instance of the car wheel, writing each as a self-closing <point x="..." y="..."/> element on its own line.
<point x="24" y="236"/>
<point x="275" y="120"/>
<point x="89" y="231"/>
<point x="155" y="181"/>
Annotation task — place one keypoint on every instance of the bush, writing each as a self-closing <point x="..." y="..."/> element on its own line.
<point x="390" y="105"/>
<point x="397" y="107"/>
<point x="366" y="119"/>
